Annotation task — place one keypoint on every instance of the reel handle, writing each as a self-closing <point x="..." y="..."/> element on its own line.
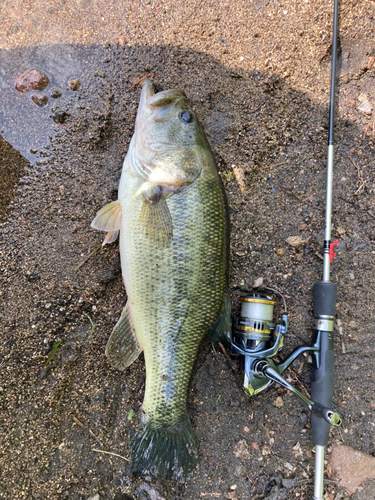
<point x="323" y="370"/>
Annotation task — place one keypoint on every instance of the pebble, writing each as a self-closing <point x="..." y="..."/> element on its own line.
<point x="56" y="93"/>
<point x="280" y="251"/>
<point x="351" y="276"/>
<point x="94" y="497"/>
<point x="74" y="83"/>
<point x="241" y="450"/>
<point x="32" y="79"/>
<point x="278" y="402"/>
<point x="258" y="282"/>
<point x="40" y="99"/>
<point x="365" y="107"/>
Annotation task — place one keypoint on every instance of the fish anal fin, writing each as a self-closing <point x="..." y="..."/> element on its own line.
<point x="221" y="330"/>
<point x="108" y="218"/>
<point x="156" y="222"/>
<point x="122" y="347"/>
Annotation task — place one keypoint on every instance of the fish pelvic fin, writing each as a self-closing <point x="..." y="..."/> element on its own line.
<point x="122" y="347"/>
<point x="156" y="222"/>
<point x="167" y="452"/>
<point x="109" y="219"/>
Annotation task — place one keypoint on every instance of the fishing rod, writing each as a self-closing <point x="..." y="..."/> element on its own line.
<point x="259" y="340"/>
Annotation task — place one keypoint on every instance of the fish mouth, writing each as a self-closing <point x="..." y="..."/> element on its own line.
<point x="159" y="103"/>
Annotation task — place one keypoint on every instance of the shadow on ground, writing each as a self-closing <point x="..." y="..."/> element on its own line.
<point x="61" y="402"/>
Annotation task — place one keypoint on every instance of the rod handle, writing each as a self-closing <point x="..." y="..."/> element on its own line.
<point x="323" y="370"/>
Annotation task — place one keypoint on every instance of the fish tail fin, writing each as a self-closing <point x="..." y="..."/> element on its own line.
<point x="167" y="452"/>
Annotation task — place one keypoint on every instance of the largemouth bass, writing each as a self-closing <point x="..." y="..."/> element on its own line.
<point x="174" y="240"/>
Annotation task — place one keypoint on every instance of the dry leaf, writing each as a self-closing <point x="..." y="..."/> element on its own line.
<point x="295" y="241"/>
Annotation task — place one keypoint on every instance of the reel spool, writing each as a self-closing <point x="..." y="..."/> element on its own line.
<point x="254" y="329"/>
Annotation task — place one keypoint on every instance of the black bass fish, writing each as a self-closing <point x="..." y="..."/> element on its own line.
<point x="174" y="245"/>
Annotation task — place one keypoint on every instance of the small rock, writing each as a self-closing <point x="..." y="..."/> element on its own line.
<point x="258" y="282"/>
<point x="278" y="402"/>
<point x="94" y="497"/>
<point x="297" y="448"/>
<point x="56" y="93"/>
<point x="232" y="495"/>
<point x="39" y="99"/>
<point x="362" y="97"/>
<point x="295" y="241"/>
<point x="74" y="83"/>
<point x="302" y="226"/>
<point x="370" y="62"/>
<point x="341" y="231"/>
<point x="365" y="107"/>
<point x="351" y="276"/>
<point x="289" y="483"/>
<point x="280" y="251"/>
<point x="352" y="467"/>
<point x="31" y="79"/>
<point x="360" y="246"/>
<point x="241" y="450"/>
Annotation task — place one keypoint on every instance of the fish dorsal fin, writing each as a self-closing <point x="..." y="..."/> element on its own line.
<point x="122" y="347"/>
<point x="109" y="219"/>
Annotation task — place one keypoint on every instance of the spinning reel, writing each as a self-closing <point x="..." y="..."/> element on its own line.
<point x="259" y="341"/>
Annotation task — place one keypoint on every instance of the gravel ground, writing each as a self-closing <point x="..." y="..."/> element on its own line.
<point x="257" y="74"/>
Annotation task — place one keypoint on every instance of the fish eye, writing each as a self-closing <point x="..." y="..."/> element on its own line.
<point x="186" y="117"/>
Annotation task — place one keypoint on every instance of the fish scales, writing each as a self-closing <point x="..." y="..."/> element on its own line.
<point x="174" y="245"/>
<point x="175" y="292"/>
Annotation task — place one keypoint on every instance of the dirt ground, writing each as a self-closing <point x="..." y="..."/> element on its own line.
<point x="257" y="73"/>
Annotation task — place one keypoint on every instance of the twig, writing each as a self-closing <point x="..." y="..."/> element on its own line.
<point x="360" y="178"/>
<point x="110" y="453"/>
<point x="86" y="428"/>
<point x="210" y="457"/>
<point x="290" y="194"/>
<point x="273" y="166"/>
<point x="217" y="495"/>
<point x="88" y="257"/>
<point x="234" y="368"/>
<point x="92" y="327"/>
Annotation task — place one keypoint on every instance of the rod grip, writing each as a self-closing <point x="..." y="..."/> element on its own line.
<point x="323" y="370"/>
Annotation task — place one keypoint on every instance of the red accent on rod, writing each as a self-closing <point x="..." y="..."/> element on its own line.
<point x="331" y="252"/>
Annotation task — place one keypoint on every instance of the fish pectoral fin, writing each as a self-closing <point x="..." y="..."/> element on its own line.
<point x="156" y="222"/>
<point x="109" y="218"/>
<point x="122" y="347"/>
<point x="221" y="330"/>
<point x="111" y="237"/>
